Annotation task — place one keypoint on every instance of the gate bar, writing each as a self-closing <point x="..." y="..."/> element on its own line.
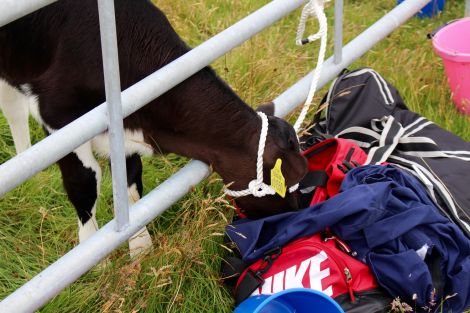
<point x="44" y="286"/>
<point x="52" y="148"/>
<point x="112" y="81"/>
<point x="338" y="32"/>
<point x="83" y="257"/>
<point x="11" y="10"/>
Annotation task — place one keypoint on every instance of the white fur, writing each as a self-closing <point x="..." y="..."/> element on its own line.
<point x="34" y="110"/>
<point x="17" y="105"/>
<point x="140" y="242"/>
<point x="85" y="154"/>
<point x="133" y="143"/>
<point x="88" y="229"/>
<point x="14" y="105"/>
<point x="132" y="194"/>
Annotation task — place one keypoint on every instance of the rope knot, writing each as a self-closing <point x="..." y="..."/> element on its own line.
<point x="260" y="189"/>
<point x="312" y="8"/>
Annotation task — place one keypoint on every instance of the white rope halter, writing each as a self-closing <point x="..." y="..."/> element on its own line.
<point x="257" y="187"/>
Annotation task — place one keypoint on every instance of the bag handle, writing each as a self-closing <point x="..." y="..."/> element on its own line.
<point x="435" y="31"/>
<point x="391" y="133"/>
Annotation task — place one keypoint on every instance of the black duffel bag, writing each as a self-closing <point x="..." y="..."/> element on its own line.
<point x="363" y="107"/>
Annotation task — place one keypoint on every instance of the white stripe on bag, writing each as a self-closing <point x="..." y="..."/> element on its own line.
<point x="433" y="154"/>
<point x="385" y="86"/>
<point x="417" y="129"/>
<point x="443" y="190"/>
<point x="358" y="129"/>
<point x="419" y="120"/>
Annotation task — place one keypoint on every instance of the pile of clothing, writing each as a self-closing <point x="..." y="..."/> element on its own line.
<point x="391" y="189"/>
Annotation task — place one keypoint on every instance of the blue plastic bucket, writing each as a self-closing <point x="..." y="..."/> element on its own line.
<point x="430" y="9"/>
<point x="296" y="300"/>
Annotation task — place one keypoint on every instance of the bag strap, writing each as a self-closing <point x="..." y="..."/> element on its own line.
<point x="253" y="279"/>
<point x="313" y="179"/>
<point x="381" y="140"/>
<point x="433" y="262"/>
<point x="308" y="187"/>
<point x="250" y="282"/>
<point x="231" y="268"/>
<point x="388" y="135"/>
<point x="391" y="132"/>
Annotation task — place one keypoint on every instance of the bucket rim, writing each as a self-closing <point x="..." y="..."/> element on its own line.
<point x="449" y="53"/>
<point x="309" y="291"/>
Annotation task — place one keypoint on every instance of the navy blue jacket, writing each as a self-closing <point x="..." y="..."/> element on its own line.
<point x="385" y="216"/>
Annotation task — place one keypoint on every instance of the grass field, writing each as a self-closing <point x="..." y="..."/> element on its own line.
<point x="38" y="224"/>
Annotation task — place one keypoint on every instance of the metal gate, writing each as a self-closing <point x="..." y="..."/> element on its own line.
<point x="83" y="257"/>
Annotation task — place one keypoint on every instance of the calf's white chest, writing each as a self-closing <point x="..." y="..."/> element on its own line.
<point x="133" y="143"/>
<point x="133" y="139"/>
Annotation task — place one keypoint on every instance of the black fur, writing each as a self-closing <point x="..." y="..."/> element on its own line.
<point x="80" y="185"/>
<point x="134" y="172"/>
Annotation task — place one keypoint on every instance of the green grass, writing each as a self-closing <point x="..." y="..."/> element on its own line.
<point x="38" y="224"/>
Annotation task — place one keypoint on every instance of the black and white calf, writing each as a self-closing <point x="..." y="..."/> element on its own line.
<point x="50" y="61"/>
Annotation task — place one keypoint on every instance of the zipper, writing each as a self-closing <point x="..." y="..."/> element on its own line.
<point x="383" y="88"/>
<point x="347" y="272"/>
<point x="330" y="93"/>
<point x="347" y="276"/>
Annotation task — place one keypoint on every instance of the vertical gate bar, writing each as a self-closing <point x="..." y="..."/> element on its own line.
<point x="338" y="50"/>
<point x="467" y="8"/>
<point x="113" y="100"/>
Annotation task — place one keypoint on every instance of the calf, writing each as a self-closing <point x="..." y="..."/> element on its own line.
<point x="51" y="62"/>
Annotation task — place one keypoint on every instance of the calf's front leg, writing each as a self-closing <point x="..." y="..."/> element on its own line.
<point x="81" y="176"/>
<point x="140" y="242"/>
<point x="15" y="108"/>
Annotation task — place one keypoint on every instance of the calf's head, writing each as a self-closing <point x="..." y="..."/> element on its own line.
<point x="281" y="143"/>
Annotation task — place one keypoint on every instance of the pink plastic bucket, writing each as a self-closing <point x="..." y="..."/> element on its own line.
<point x="452" y="44"/>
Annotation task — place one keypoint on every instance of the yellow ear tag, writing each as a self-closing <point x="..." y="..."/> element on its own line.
<point x="278" y="182"/>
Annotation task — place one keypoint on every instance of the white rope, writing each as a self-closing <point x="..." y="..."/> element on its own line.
<point x="312" y="8"/>
<point x="257" y="187"/>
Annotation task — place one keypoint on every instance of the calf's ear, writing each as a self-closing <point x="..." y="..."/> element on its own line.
<point x="266" y="108"/>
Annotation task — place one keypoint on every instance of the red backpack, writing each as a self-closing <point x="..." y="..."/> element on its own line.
<point x="320" y="262"/>
<point x="328" y="163"/>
